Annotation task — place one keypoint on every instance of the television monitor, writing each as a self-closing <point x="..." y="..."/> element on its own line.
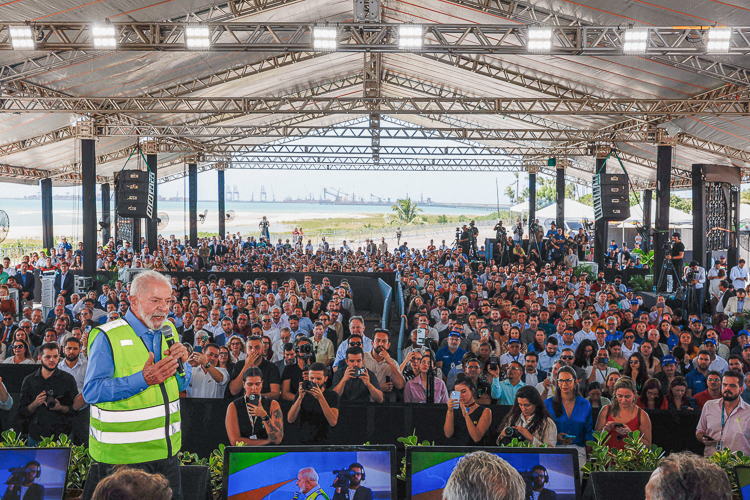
<point x="274" y="472"/>
<point x="41" y="473"/>
<point x="429" y="467"/>
<point x="743" y="481"/>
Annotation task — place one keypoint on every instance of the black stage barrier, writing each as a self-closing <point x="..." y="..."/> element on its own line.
<point x="203" y="422"/>
<point x="367" y="295"/>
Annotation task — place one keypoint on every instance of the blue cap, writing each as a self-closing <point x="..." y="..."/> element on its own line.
<point x="668" y="360"/>
<point x="710" y="341"/>
<point x="630" y="290"/>
<point x="745" y="346"/>
<point x="743" y="332"/>
<point x="633" y="302"/>
<point x="513" y="341"/>
<point x="696" y="320"/>
<point x="454" y="333"/>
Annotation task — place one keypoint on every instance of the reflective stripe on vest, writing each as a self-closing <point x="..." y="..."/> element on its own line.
<point x="144" y="427"/>
<point x="133" y="437"/>
<point x="119" y="417"/>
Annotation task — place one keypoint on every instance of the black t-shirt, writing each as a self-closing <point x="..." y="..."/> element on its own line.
<point x="313" y="424"/>
<point x="677" y="249"/>
<point x="269" y="370"/>
<point x="45" y="422"/>
<point x="355" y="390"/>
<point x="292" y="373"/>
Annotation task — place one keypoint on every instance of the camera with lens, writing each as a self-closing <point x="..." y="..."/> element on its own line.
<point x="308" y="385"/>
<point x="689" y="274"/>
<point x="512" y="433"/>
<point x="358" y="371"/>
<point x="50" y="398"/>
<point x="306" y="351"/>
<point x="17" y="475"/>
<point x="343" y="479"/>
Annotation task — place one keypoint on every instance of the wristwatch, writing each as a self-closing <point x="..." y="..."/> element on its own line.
<point x="207" y="366"/>
<point x="266" y="418"/>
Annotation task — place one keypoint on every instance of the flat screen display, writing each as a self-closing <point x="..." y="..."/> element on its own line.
<point x="38" y="473"/>
<point x="554" y="469"/>
<point x="280" y="472"/>
<point x="743" y="481"/>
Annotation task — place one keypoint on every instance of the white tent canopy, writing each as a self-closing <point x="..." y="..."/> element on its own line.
<point x="573" y="210"/>
<point x="744" y="212"/>
<point x="676" y="217"/>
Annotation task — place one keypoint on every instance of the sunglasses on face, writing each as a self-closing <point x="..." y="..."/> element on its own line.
<point x="566" y="357"/>
<point x="355" y="344"/>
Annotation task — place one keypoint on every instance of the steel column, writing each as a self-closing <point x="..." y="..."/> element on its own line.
<point x="48" y="233"/>
<point x="222" y="203"/>
<point x="699" y="216"/>
<point x="152" y="230"/>
<point x="560" y="185"/>
<point x="600" y="228"/>
<point x="193" y="202"/>
<point x="106" y="215"/>
<point x="136" y="235"/>
<point x="648" y="195"/>
<point x="661" y="224"/>
<point x="88" y="193"/>
<point x="532" y="195"/>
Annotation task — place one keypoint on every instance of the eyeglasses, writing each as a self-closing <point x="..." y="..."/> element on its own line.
<point x="565" y="380"/>
<point x="19" y="346"/>
<point x="634" y="361"/>
<point x="566" y="357"/>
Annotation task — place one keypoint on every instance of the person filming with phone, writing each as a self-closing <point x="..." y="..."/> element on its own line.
<point x="252" y="419"/>
<point x="466" y="422"/>
<point x="316" y="407"/>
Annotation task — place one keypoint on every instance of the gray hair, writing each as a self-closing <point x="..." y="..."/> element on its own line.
<point x="686" y="476"/>
<point x="140" y="284"/>
<point x="309" y="474"/>
<point x="357" y="318"/>
<point x="484" y="476"/>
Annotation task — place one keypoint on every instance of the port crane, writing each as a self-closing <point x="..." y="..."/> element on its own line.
<point x="336" y="193"/>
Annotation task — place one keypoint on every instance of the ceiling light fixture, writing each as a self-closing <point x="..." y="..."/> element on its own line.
<point x="104" y="36"/>
<point x="539" y="39"/>
<point x="22" y="37"/>
<point x="410" y="36"/>
<point x="197" y="37"/>
<point x="324" y="38"/>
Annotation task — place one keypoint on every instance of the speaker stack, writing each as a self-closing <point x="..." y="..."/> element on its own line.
<point x="134" y="193"/>
<point x="611" y="197"/>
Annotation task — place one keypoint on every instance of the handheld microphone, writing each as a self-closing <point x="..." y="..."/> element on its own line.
<point x="169" y="337"/>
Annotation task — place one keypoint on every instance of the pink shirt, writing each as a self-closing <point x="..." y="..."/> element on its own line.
<point x="415" y="392"/>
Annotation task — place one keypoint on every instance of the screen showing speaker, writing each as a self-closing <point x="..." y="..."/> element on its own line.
<point x="554" y="470"/>
<point x="286" y="472"/>
<point x="33" y="473"/>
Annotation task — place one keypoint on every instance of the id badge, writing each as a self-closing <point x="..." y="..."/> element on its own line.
<point x="719" y="445"/>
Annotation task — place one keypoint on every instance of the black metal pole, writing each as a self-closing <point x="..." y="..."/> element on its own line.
<point x="136" y="234"/>
<point x="222" y="203"/>
<point x="532" y="197"/>
<point x="647" y="199"/>
<point x="48" y="232"/>
<point x="88" y="205"/>
<point x="600" y="229"/>
<point x="560" y="185"/>
<point x="152" y="229"/>
<point x="106" y="214"/>
<point x="663" y="188"/>
<point x="699" y="215"/>
<point x="193" y="202"/>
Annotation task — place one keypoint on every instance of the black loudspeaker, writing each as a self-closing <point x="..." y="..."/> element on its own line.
<point x="196" y="482"/>
<point x="611" y="197"/>
<point x="617" y="486"/>
<point x="134" y="193"/>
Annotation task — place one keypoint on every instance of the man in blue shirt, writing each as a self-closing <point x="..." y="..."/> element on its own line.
<point x="696" y="379"/>
<point x="451" y="354"/>
<point x="505" y="391"/>
<point x="150" y="296"/>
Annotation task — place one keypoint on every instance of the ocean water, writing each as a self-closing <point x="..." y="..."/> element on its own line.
<point x="26" y="215"/>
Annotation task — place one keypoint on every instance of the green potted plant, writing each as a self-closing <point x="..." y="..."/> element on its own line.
<point x="632" y="465"/>
<point x="728" y="460"/>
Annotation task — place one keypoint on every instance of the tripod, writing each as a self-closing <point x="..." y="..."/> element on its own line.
<point x="691" y="302"/>
<point x="667" y="270"/>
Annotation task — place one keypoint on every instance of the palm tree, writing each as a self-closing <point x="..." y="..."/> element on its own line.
<point x="406" y="213"/>
<point x="745" y="196"/>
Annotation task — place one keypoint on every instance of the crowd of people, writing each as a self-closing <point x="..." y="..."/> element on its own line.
<point x="557" y="346"/>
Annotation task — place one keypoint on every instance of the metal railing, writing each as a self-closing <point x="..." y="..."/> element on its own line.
<point x="402" y="327"/>
<point x="16" y="254"/>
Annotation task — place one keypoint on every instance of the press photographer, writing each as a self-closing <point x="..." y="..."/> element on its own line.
<point x="21" y="485"/>
<point x="676" y="253"/>
<point x="316" y="407"/>
<point x="528" y="420"/>
<point x="695" y="278"/>
<point x="348" y="484"/>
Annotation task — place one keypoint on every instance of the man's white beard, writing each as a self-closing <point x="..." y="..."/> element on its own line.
<point x="148" y="321"/>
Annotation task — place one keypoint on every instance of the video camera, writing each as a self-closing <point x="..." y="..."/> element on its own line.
<point x="343" y="479"/>
<point x="18" y="475"/>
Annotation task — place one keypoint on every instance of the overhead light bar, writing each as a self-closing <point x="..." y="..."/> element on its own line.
<point x="104" y="36"/>
<point x="324" y="38"/>
<point x="718" y="40"/>
<point x="635" y="41"/>
<point x="197" y="37"/>
<point x="22" y="37"/>
<point x="410" y="36"/>
<point x="539" y="39"/>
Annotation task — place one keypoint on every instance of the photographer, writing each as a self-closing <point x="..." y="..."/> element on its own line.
<point x="518" y="232"/>
<point x="695" y="276"/>
<point x="294" y="373"/>
<point x="357" y="383"/>
<point x="466" y="421"/>
<point x="316" y="407"/>
<point x="21" y="485"/>
<point x="253" y="419"/>
<point x="351" y="481"/>
<point x="49" y="398"/>
<point x="677" y="253"/>
<point x="528" y="420"/>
